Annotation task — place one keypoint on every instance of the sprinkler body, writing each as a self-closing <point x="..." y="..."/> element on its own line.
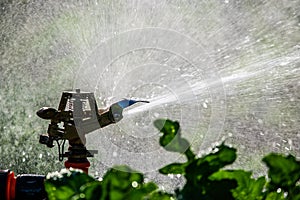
<point x="76" y="116"/>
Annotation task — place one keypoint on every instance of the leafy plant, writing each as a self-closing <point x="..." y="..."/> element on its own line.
<point x="205" y="177"/>
<point x="118" y="183"/>
<point x="284" y="173"/>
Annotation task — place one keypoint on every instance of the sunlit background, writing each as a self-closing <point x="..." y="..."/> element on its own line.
<point x="226" y="70"/>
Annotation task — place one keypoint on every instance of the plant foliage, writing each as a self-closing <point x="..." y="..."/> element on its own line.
<point x="205" y="177"/>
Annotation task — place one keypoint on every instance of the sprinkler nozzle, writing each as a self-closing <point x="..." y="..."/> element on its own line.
<point x="128" y="102"/>
<point x="116" y="109"/>
<point x="143" y="101"/>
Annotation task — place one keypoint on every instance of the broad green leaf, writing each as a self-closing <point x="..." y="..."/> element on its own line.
<point x="142" y="191"/>
<point x="189" y="154"/>
<point x="207" y="165"/>
<point x="159" y="196"/>
<point x="295" y="193"/>
<point x="168" y="128"/>
<point x="208" y="190"/>
<point x="179" y="145"/>
<point x="224" y="155"/>
<point x="66" y="184"/>
<point x="147" y="188"/>
<point x="197" y="172"/>
<point x="284" y="172"/>
<point x="247" y="188"/>
<point x="60" y="193"/>
<point x="275" y="196"/>
<point x="171" y="139"/>
<point x="92" y="190"/>
<point x="122" y="182"/>
<point x="174" y="168"/>
<point x="220" y="189"/>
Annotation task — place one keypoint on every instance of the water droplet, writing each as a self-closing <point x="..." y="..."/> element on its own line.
<point x="134" y="184"/>
<point x="171" y="176"/>
<point x="283" y="124"/>
<point x="278" y="190"/>
<point x="261" y="133"/>
<point x="277" y="144"/>
<point x="286" y="148"/>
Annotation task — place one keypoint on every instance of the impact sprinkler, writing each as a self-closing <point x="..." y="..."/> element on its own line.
<point x="76" y="116"/>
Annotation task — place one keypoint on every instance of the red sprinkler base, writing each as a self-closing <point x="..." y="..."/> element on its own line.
<point x="83" y="166"/>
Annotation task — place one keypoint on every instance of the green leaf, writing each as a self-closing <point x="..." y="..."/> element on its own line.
<point x="223" y="156"/>
<point x="66" y="183"/>
<point x="208" y="190"/>
<point x="295" y="193"/>
<point x="207" y="165"/>
<point x="284" y="172"/>
<point x="171" y="139"/>
<point x="220" y="189"/>
<point x="247" y="188"/>
<point x="121" y="182"/>
<point x="174" y="168"/>
<point x="160" y="196"/>
<point x="189" y="154"/>
<point x="167" y="127"/>
<point x="142" y="191"/>
<point x="197" y="172"/>
<point x="275" y="196"/>
<point x="92" y="190"/>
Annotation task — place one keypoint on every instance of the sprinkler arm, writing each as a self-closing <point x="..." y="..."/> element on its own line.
<point x="109" y="116"/>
